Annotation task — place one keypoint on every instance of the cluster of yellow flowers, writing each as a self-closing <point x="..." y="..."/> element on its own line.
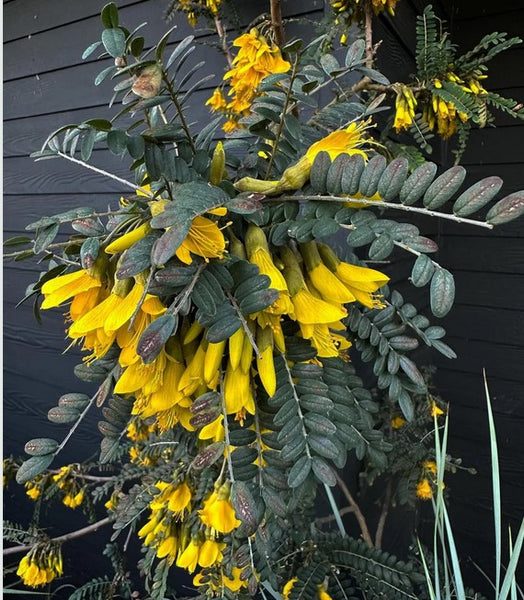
<point x="67" y="482"/>
<point x="405" y="108"/>
<point x="189" y="8"/>
<point x="41" y="565"/>
<point x="353" y="11"/>
<point x="167" y="532"/>
<point x="428" y="481"/>
<point x="255" y="60"/>
<point x="438" y="114"/>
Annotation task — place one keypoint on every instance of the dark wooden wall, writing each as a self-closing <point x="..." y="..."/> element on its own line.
<point x="486" y="326"/>
<point x="47" y="84"/>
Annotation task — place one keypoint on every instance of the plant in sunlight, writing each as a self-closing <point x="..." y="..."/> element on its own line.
<point x="237" y="318"/>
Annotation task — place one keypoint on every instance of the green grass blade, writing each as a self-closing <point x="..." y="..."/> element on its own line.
<point x="495" y="478"/>
<point x="512" y="566"/>
<point x="429" y="583"/>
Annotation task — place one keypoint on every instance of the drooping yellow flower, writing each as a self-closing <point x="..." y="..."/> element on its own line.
<point x="265" y="361"/>
<point x="217" y="511"/>
<point x="398" y="422"/>
<point x="64" y="287"/>
<point x="168" y="547"/>
<point x="405" y="106"/>
<point x="362" y="282"/>
<point x="423" y="490"/>
<point x="288" y="586"/>
<point x="238" y="395"/>
<point x="436" y="411"/>
<point x="41" y="565"/>
<point x="325" y="282"/>
<point x="210" y="553"/>
<point x="233" y="583"/>
<point x="188" y="559"/>
<point x="217" y="102"/>
<point x="74" y="500"/>
<point x="204" y="239"/>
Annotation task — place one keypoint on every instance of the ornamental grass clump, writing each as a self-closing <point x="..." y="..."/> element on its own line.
<point x="228" y="303"/>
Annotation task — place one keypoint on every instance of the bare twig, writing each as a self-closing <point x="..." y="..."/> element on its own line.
<point x="221" y="32"/>
<point x="356" y="509"/>
<point x="330" y="518"/>
<point x="383" y="515"/>
<point x="106" y="174"/>
<point x="276" y="22"/>
<point x="368" y="32"/>
<point x="63" y="538"/>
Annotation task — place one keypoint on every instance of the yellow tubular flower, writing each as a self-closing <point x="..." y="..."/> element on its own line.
<point x="236" y="345"/>
<point x="128" y="239"/>
<point x="344" y="141"/>
<point x="265" y="362"/>
<point x="217" y="102"/>
<point x="210" y="553"/>
<point x="204" y="239"/>
<point x="327" y="284"/>
<point x="405" y="106"/>
<point x="308" y="309"/>
<point x="286" y="590"/>
<point x="188" y="559"/>
<point x="259" y="254"/>
<point x="218" y="513"/>
<point x="361" y="281"/>
<point x="238" y="395"/>
<point x="64" y="287"/>
<point x="213" y="360"/>
<point x="168" y="547"/>
<point x="423" y="489"/>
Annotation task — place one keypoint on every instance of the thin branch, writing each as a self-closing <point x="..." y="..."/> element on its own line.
<point x="368" y="32"/>
<point x="356" y="509"/>
<point x="245" y="326"/>
<point x="63" y="538"/>
<point x="180" y="112"/>
<point x="222" y="36"/>
<point x="276" y="22"/>
<point x="330" y="518"/>
<point x="134" y="186"/>
<point x="380" y="203"/>
<point x="383" y="515"/>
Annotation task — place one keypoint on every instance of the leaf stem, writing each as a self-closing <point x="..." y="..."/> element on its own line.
<point x="383" y="515"/>
<point x="180" y="112"/>
<point x="134" y="186"/>
<point x="383" y="204"/>
<point x="63" y="538"/>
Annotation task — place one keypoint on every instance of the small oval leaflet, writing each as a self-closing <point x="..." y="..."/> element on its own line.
<point x="442" y="292"/>
<point x="245" y="507"/>
<point x="33" y="467"/>
<point x="155" y="336"/>
<point x="509" y="208"/>
<point x="444" y="186"/>
<point x="299" y="472"/>
<point x="422" y="272"/>
<point x="477" y="196"/>
<point x="208" y="456"/>
<point x="40" y="446"/>
<point x="63" y="414"/>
